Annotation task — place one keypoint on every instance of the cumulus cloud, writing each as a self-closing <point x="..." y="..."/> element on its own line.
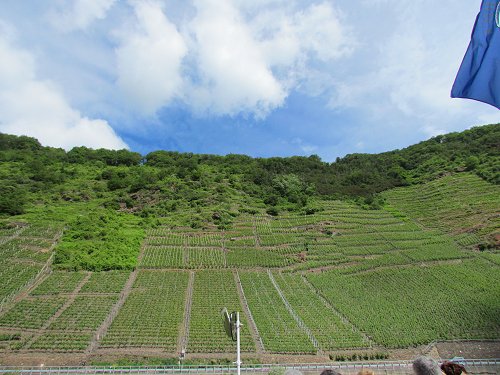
<point x="34" y="107"/>
<point x="79" y="14"/>
<point x="149" y="59"/>
<point x="217" y="57"/>
<point x="249" y="58"/>
<point x="321" y="32"/>
<point x="234" y="74"/>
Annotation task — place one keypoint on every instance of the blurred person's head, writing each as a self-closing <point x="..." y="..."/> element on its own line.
<point x="329" y="371"/>
<point x="366" y="372"/>
<point x="426" y="366"/>
<point x="452" y="368"/>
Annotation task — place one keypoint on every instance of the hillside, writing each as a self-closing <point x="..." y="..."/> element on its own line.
<point x="110" y="256"/>
<point x="163" y="182"/>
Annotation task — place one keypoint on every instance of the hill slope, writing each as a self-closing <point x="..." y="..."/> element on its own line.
<point x="323" y="276"/>
<point x="343" y="278"/>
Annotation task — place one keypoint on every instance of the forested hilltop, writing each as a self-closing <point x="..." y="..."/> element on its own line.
<point x="162" y="182"/>
<point x="93" y="192"/>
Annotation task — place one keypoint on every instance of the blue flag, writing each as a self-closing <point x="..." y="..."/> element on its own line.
<point x="479" y="75"/>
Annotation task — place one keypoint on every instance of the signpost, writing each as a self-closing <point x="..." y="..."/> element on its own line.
<point x="232" y="327"/>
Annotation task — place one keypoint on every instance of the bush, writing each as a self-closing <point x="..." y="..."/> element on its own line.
<point x="100" y="240"/>
<point x="12" y="199"/>
<point x="273" y="211"/>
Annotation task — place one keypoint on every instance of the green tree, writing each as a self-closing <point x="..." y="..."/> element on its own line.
<point x="12" y="198"/>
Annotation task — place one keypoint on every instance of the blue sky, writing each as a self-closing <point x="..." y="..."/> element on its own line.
<point x="256" y="77"/>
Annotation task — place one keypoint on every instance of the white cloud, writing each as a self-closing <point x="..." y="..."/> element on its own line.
<point x="314" y="33"/>
<point x="249" y="58"/>
<point x="217" y="57"/>
<point x="321" y="32"/>
<point x="234" y="74"/>
<point x="304" y="45"/>
<point x="257" y="4"/>
<point x="149" y="59"/>
<point x="29" y="106"/>
<point x="277" y="32"/>
<point x="79" y="14"/>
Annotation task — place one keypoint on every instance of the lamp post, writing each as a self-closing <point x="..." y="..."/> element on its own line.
<point x="238" y="357"/>
<point x="232" y="327"/>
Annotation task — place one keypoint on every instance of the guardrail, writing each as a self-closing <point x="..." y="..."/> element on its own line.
<point x="350" y="367"/>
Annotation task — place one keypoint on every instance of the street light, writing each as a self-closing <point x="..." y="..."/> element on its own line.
<point x="232" y="327"/>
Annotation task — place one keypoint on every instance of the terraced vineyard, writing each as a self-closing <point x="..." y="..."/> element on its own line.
<point x="279" y="331"/>
<point x="328" y="327"/>
<point x="26" y="252"/>
<point x="429" y="304"/>
<point x="342" y="278"/>
<point x="214" y="290"/>
<point x="152" y="313"/>
<point x="462" y="205"/>
<point x="63" y="312"/>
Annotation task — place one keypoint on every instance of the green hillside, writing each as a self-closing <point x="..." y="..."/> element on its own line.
<point x="109" y="253"/>
<point x="461" y="205"/>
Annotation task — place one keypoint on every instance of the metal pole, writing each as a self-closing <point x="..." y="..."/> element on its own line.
<point x="238" y="358"/>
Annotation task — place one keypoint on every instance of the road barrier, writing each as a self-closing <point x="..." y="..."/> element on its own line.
<point x="483" y="366"/>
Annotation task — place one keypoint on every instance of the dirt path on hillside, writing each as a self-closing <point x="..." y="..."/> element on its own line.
<point x="127" y="288"/>
<point x="294" y="315"/>
<point x="378" y="268"/>
<point x="183" y="336"/>
<point x="414" y="264"/>
<point x="469" y="349"/>
<point x="251" y="323"/>
<point x="336" y="312"/>
<point x="103" y="328"/>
